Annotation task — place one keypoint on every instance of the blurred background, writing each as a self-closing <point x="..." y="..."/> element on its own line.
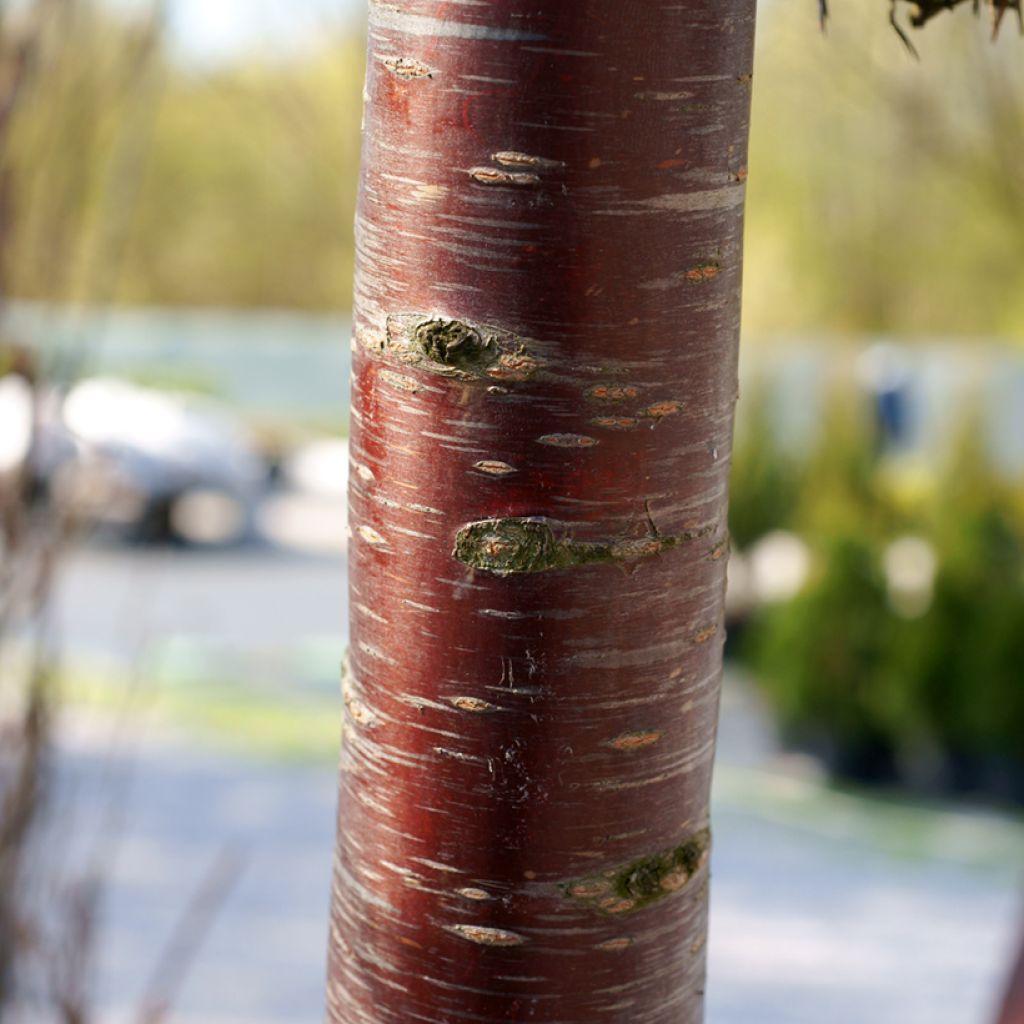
<point x="177" y="188"/>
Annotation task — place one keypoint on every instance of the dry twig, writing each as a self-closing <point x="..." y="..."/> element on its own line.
<point x="924" y="10"/>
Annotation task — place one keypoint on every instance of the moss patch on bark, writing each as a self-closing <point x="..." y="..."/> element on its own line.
<point x="507" y="547"/>
<point x="645" y="881"/>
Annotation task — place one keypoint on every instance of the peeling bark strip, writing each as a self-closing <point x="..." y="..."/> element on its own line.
<point x="549" y="247"/>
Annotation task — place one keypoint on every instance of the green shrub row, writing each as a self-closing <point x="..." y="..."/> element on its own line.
<point x="920" y="679"/>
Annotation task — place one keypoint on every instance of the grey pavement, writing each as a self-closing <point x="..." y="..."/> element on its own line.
<point x="826" y="907"/>
<point x="817" y="915"/>
<point x="258" y="613"/>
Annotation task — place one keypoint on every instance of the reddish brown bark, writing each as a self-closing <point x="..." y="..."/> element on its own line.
<point x="1012" y="1011"/>
<point x="549" y="243"/>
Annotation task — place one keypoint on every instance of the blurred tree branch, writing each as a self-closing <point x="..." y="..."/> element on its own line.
<point x="52" y="120"/>
<point x="924" y="10"/>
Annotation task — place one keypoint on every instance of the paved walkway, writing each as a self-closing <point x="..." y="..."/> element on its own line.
<point x="826" y="908"/>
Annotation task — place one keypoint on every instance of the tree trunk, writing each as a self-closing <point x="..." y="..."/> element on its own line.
<point x="549" y="246"/>
<point x="1012" y="1011"/>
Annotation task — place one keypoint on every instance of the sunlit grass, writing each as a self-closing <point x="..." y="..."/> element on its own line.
<point x="228" y="716"/>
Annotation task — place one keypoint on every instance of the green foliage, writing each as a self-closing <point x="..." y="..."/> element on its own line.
<point x="823" y="655"/>
<point x="249" y="193"/>
<point x="72" y="148"/>
<point x="132" y="179"/>
<point x="967" y="651"/>
<point x="856" y="665"/>
<point x="885" y="194"/>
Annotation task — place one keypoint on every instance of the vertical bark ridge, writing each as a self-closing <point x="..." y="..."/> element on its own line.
<point x="549" y="256"/>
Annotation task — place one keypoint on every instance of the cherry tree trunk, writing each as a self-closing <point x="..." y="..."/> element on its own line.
<point x="549" y="256"/>
<point x="1012" y="1011"/>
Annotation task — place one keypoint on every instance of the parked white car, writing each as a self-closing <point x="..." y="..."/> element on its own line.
<point x="158" y="465"/>
<point x="166" y="465"/>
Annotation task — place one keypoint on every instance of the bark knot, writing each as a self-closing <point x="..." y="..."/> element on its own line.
<point x="459" y="349"/>
<point x="532" y="544"/>
<point x="647" y="880"/>
<point x="456" y="344"/>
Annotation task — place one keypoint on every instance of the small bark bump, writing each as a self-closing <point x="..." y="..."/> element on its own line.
<point x="710" y="270"/>
<point x="407" y="67"/>
<point x="477" y="895"/>
<point x="493" y="467"/>
<point x="513" y="158"/>
<point x="514" y="366"/>
<point x="496" y="176"/>
<point x="591" y="889"/>
<point x="400" y="382"/>
<point x="704" y="635"/>
<point x="719" y="551"/>
<point x="360" y="713"/>
<point x="371" y="536"/>
<point x="568" y="440"/>
<point x="615" y="945"/>
<point x="615" y="422"/>
<point x="659" y="410"/>
<point x="616" y="905"/>
<point x="634" y="740"/>
<point x="487" y="936"/>
<point x="613" y="392"/>
<point x="474" y="704"/>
